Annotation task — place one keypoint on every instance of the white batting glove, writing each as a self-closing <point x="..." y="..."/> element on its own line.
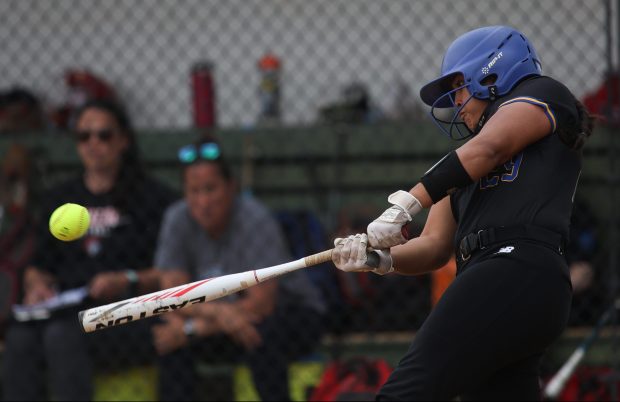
<point x="351" y="255"/>
<point x="386" y="231"/>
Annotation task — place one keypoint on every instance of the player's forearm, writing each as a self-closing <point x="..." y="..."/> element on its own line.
<point x="420" y="255"/>
<point x="419" y="192"/>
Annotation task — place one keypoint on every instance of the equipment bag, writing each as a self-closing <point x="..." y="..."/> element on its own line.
<point x="352" y="379"/>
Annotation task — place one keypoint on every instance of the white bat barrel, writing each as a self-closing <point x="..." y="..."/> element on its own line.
<point x="167" y="300"/>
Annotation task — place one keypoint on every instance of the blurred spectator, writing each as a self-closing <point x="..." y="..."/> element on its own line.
<point x="212" y="232"/>
<point x="20" y="111"/>
<point x="125" y="207"/>
<point x="588" y="295"/>
<point x="82" y="86"/>
<point x="16" y="224"/>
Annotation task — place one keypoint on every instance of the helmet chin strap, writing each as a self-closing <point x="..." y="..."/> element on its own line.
<point x="492" y="92"/>
<point x="482" y="120"/>
<point x="487" y="109"/>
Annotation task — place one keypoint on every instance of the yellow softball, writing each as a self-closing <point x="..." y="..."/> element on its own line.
<point x="69" y="222"/>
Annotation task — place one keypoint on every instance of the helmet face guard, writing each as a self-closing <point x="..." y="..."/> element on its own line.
<point x="448" y="118"/>
<point x="498" y="53"/>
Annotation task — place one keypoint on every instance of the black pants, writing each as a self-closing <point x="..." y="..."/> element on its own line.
<point x="485" y="338"/>
<point x="291" y="332"/>
<point x="53" y="350"/>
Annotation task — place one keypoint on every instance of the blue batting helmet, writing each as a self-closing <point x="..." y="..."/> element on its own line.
<point x="499" y="51"/>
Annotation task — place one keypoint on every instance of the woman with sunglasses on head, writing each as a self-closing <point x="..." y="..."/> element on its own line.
<point x="215" y="231"/>
<point x="502" y="202"/>
<point x="125" y="206"/>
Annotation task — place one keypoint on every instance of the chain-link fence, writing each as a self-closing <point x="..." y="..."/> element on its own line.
<point x="146" y="51"/>
<point x="315" y="105"/>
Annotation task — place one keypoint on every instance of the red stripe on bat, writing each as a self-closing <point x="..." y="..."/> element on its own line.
<point x="183" y="291"/>
<point x="163" y="295"/>
<point x="255" y="276"/>
<point x="154" y="297"/>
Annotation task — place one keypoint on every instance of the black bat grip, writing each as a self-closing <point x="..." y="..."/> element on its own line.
<point x="372" y="259"/>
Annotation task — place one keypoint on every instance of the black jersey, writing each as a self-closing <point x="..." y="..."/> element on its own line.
<point x="538" y="184"/>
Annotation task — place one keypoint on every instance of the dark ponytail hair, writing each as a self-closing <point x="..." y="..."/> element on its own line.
<point x="576" y="137"/>
<point x="131" y="172"/>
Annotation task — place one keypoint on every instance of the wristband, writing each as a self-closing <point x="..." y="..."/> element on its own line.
<point x="406" y="201"/>
<point x="445" y="177"/>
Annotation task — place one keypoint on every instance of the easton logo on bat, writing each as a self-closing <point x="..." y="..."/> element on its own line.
<point x="144" y="314"/>
<point x="152" y="297"/>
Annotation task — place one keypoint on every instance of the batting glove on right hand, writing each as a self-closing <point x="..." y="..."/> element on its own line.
<point x="350" y="254"/>
<point x="386" y="231"/>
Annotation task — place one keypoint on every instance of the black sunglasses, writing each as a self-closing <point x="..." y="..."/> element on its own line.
<point x="208" y="151"/>
<point x="104" y="135"/>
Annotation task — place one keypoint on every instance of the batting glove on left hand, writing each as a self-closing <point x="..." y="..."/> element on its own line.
<point x="351" y="255"/>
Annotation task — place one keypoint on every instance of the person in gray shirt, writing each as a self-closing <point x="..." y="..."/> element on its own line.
<point x="215" y="231"/>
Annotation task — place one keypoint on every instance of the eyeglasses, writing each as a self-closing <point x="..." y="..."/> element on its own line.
<point x="104" y="135"/>
<point x="208" y="151"/>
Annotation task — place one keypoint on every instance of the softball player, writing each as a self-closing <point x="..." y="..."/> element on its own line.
<point x="502" y="202"/>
